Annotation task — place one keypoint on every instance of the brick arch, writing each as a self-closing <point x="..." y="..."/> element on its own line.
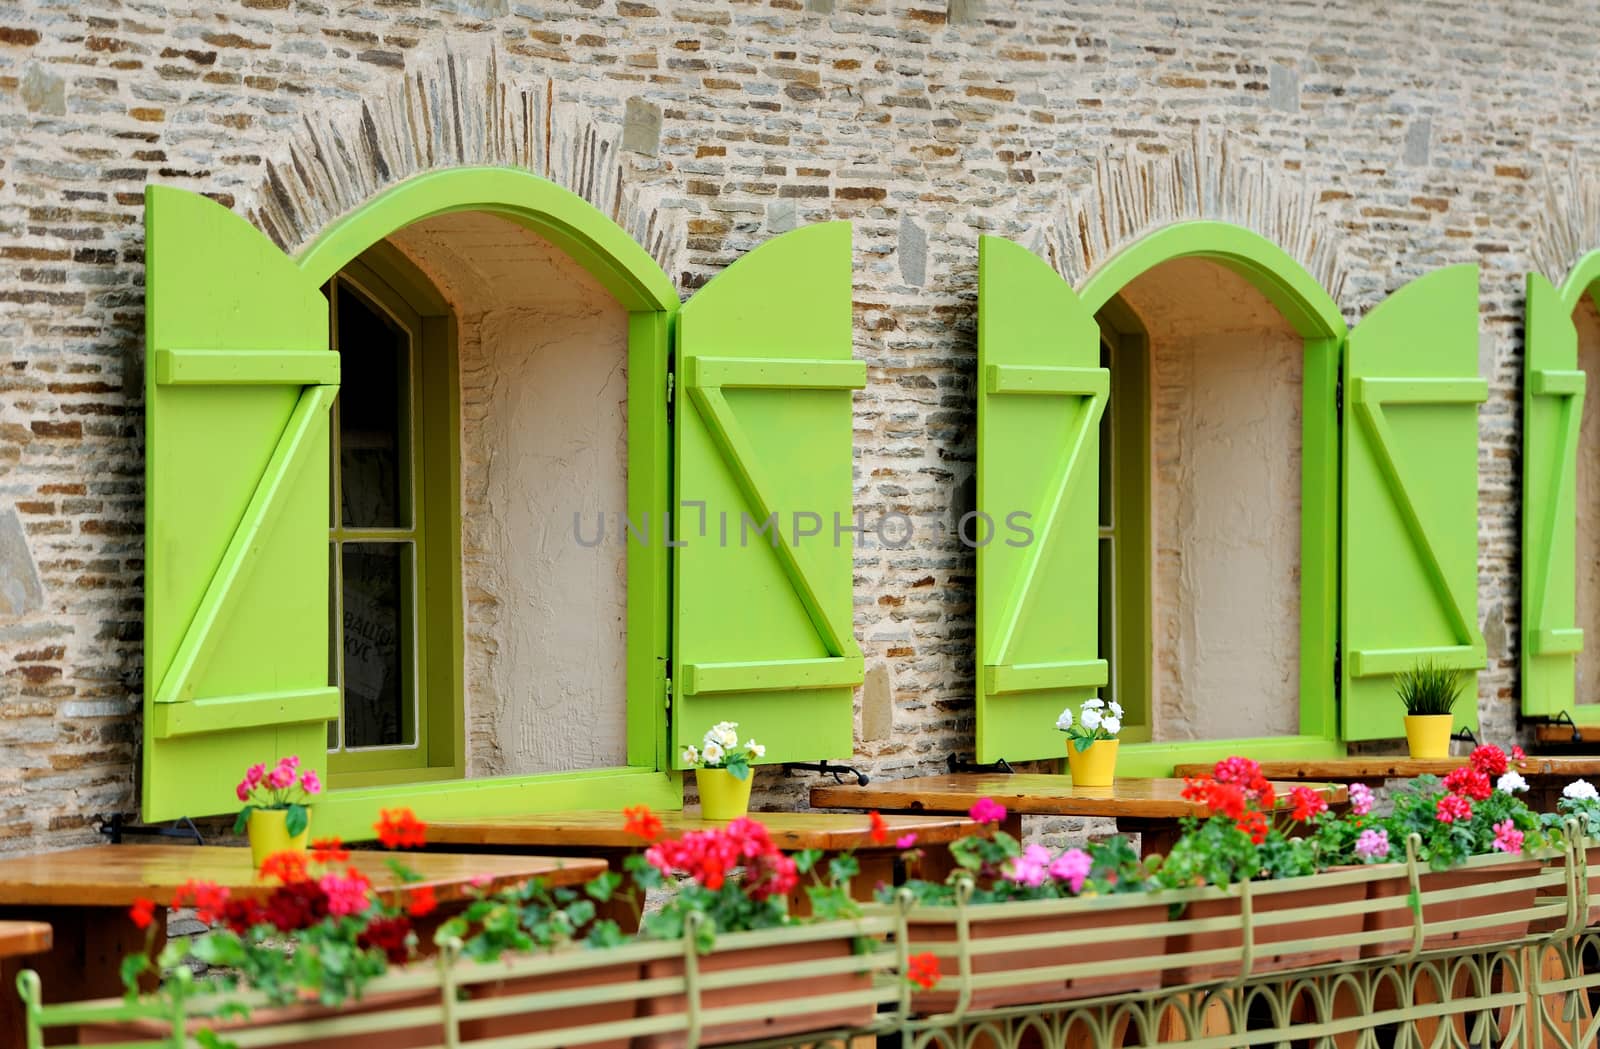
<point x="459" y="107"/>
<point x="1567" y="229"/>
<point x="1132" y="195"/>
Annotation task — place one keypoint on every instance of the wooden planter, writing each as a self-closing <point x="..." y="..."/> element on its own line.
<point x="1447" y="907"/>
<point x="730" y="960"/>
<point x="407" y="1037"/>
<point x="1082" y="939"/>
<point x="527" y="1022"/>
<point x="1286" y="945"/>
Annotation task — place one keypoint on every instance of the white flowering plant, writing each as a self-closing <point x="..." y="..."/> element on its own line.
<point x="1580" y="801"/>
<point x="1096" y="720"/>
<point x="721" y="749"/>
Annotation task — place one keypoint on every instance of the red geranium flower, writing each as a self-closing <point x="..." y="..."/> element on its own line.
<point x="287" y="866"/>
<point x="641" y="821"/>
<point x="400" y="829"/>
<point x="880" y="828"/>
<point x="389" y="936"/>
<point x="297" y="906"/>
<point x="923" y="970"/>
<point x="1254" y="823"/>
<point x="206" y="897"/>
<point x="421" y="902"/>
<point x="1308" y="804"/>
<point x="1469" y="783"/>
<point x="1453" y="807"/>
<point x="242" y="915"/>
<point x="329" y="850"/>
<point x="143" y="912"/>
<point x="1489" y="760"/>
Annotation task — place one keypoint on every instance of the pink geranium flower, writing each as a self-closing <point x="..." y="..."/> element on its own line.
<point x="1361" y="799"/>
<point x="1072" y="867"/>
<point x="1029" y="868"/>
<point x="347" y="893"/>
<point x="1507" y="838"/>
<point x="906" y="841"/>
<point x="311" y="782"/>
<point x="987" y="810"/>
<point x="1372" y="844"/>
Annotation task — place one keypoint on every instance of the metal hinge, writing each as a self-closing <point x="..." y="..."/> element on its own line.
<point x="672" y="383"/>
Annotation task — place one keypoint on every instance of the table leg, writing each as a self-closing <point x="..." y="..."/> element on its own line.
<point x="1156" y="837"/>
<point x="85" y="961"/>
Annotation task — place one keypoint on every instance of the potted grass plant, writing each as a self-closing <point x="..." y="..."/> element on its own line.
<point x="1429" y="692"/>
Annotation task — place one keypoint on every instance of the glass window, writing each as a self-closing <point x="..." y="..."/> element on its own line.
<point x="375" y="543"/>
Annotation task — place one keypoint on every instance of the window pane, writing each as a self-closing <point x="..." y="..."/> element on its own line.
<point x="1108" y="619"/>
<point x="374" y="416"/>
<point x="378" y="646"/>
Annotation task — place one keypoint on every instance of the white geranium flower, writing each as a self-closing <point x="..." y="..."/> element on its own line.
<point x="1064" y="722"/>
<point x="1094" y="704"/>
<point x="756" y="750"/>
<point x="691" y="756"/>
<point x="1511" y="782"/>
<point x="1116" y="710"/>
<point x="728" y="734"/>
<point x="712" y="753"/>
<point x="1111" y="724"/>
<point x="1580" y="790"/>
<point x="1090" y="717"/>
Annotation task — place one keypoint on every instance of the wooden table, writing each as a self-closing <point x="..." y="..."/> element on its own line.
<point x="22" y="938"/>
<point x="1546" y="776"/>
<point x="603" y="835"/>
<point x="1149" y="807"/>
<point x="84" y="894"/>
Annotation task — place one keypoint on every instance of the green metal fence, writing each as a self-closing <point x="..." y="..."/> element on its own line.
<point x="1498" y="953"/>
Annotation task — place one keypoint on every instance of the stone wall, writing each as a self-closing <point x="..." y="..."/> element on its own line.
<point x="1375" y="141"/>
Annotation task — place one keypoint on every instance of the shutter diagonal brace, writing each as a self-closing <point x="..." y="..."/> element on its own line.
<point x="1091" y="383"/>
<point x="705" y="379"/>
<point x="1369" y="396"/>
<point x="223" y="591"/>
<point x="1569" y="388"/>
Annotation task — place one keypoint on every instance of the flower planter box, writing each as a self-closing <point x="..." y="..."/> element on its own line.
<point x="775" y="989"/>
<point x="1082" y="938"/>
<point x="1287" y="945"/>
<point x="406" y="1036"/>
<point x="1518" y="895"/>
<point x="526" y="1022"/>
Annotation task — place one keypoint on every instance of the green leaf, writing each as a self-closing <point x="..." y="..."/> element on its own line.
<point x="134" y="966"/>
<point x="243" y="820"/>
<point x="295" y="822"/>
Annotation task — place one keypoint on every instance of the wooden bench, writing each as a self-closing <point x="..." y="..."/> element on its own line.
<point x="84" y="896"/>
<point x="1151" y="808"/>
<point x="605" y="836"/>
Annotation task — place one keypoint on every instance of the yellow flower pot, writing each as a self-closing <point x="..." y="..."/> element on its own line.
<point x="269" y="833"/>
<point x="721" y="796"/>
<point x="1428" y="735"/>
<point x="1095" y="767"/>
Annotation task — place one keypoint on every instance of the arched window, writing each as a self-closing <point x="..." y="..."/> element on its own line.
<point x="268" y="617"/>
<point x="1258" y="558"/>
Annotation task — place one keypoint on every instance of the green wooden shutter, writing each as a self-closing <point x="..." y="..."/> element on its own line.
<point x="1040" y="399"/>
<point x="1552" y="411"/>
<point x="762" y="630"/>
<point x="237" y="389"/>
<point x="1410" y="524"/>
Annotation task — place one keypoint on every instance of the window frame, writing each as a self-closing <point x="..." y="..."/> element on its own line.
<point x="1125" y="438"/>
<point x="391" y="283"/>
